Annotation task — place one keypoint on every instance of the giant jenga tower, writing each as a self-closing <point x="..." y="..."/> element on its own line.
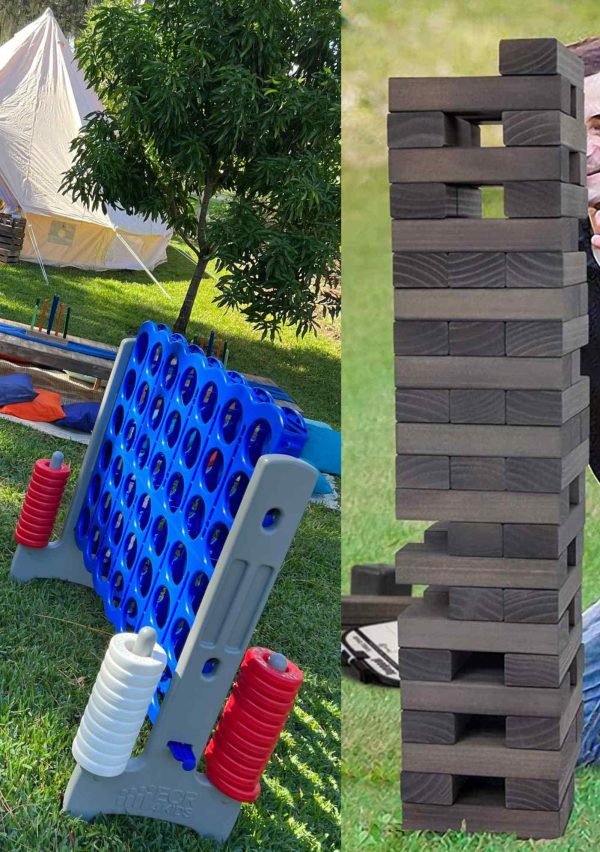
<point x="492" y="440"/>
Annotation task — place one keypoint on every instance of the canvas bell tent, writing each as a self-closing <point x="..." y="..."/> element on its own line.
<point x="43" y="102"/>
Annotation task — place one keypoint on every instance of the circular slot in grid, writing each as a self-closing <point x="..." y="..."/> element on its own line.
<point x="189" y="381"/>
<point x="131" y="613"/>
<point x="105" y="506"/>
<point x="259" y="440"/>
<point x="216" y="539"/>
<point x="129" y="384"/>
<point x="179" y="634"/>
<point x="145" y="575"/>
<point x="155" y="359"/>
<point x="106" y="454"/>
<point x="162" y="606"/>
<point x="191" y="447"/>
<point x="117" y="528"/>
<point x="95" y="488"/>
<point x="198" y="586"/>
<point x="94" y="542"/>
<point x="131" y="549"/>
<point x="144" y="511"/>
<point x="236" y="489"/>
<point x="129" y="489"/>
<point x="271" y="519"/>
<point x="118" y="418"/>
<point x="142" y="451"/>
<point x="158" y="469"/>
<point x="141" y="346"/>
<point x="156" y="412"/>
<point x="117" y="471"/>
<point x="231" y="420"/>
<point x="170" y="371"/>
<point x="213" y="469"/>
<point x="105" y="563"/>
<point x="178" y="562"/>
<point x="142" y="397"/>
<point x="116" y="588"/>
<point x="175" y="491"/>
<point x="207" y="401"/>
<point x="173" y="428"/>
<point x="194" y="516"/>
<point x="160" y="531"/>
<point x="130" y="433"/>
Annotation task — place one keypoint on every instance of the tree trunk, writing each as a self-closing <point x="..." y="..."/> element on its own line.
<point x="185" y="313"/>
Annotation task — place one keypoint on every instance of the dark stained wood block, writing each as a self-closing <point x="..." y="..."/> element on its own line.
<point x="480" y="97"/>
<point x="490" y="304"/>
<point x="535" y="794"/>
<point x="531" y="605"/>
<point x="433" y="788"/>
<point x="475" y="539"/>
<point x="467" y="372"/>
<point x="360" y="610"/>
<point x="540" y="56"/>
<point x="429" y="130"/>
<point x="434" y="201"/>
<point x="417" y="405"/>
<point x="422" y="726"/>
<point x="546" y="408"/>
<point x="545" y="269"/>
<point x="545" y="671"/>
<point x="475" y="337"/>
<point x="481" y="506"/>
<point x="478" y="406"/>
<point x="422" y="269"/>
<point x="476" y="604"/>
<point x="436" y="535"/>
<point x="549" y="475"/>
<point x="577" y="168"/>
<point x="544" y="199"/>
<point x="542" y="541"/>
<point x="480" y="166"/>
<point x="545" y="338"/>
<point x="469" y="473"/>
<point x="541" y="732"/>
<point x="420" y="337"/>
<point x="427" y="664"/>
<point x="507" y="235"/>
<point x="476" y="269"/>
<point x="423" y="472"/>
<point x="543" y="127"/>
<point x="377" y="579"/>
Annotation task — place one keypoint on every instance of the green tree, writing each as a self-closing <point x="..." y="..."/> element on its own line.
<point x="14" y="16"/>
<point x="238" y="99"/>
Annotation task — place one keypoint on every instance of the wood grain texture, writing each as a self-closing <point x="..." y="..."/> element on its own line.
<point x="490" y="304"/>
<point x="545" y="269"/>
<point x="433" y="788"/>
<point x="539" y="606"/>
<point x="429" y="130"/>
<point x="474" y="539"/>
<point x="542" y="541"/>
<point x="431" y="472"/>
<point x="424" y="503"/>
<point x="434" y="201"/>
<point x="372" y="609"/>
<point x="480" y="166"/>
<point x="476" y="604"/>
<point x="479" y="97"/>
<point x="543" y="199"/>
<point x="545" y="338"/>
<point x="475" y="337"/>
<point x="543" y="127"/>
<point x="540" y="56"/>
<point x="436" y="535"/>
<point x="421" y="337"/>
<point x="478" y="406"/>
<point x="422" y="726"/>
<point x="470" y="473"/>
<point x="535" y="794"/>
<point x="547" y="408"/>
<point x="465" y="373"/>
<point x="422" y="269"/>
<point x="542" y="732"/>
<point x="506" y="235"/>
<point x="546" y="671"/>
<point x="376" y="579"/>
<point x="430" y="664"/>
<point x="476" y="269"/>
<point x="422" y="405"/>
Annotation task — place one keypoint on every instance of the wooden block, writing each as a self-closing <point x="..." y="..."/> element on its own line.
<point x="465" y="373"/>
<point x="476" y="269"/>
<point x="429" y="130"/>
<point x="473" y="539"/>
<point x="546" y="408"/>
<point x="477" y="406"/>
<point x="427" y="664"/>
<point x="434" y="788"/>
<point x="377" y="579"/>
<point x="508" y="235"/>
<point x="480" y="97"/>
<point x="436" y="535"/>
<point x="453" y="439"/>
<point x="543" y="199"/>
<point x="434" y="201"/>
<point x="542" y="732"/>
<point x="543" y="127"/>
<point x="479" y="808"/>
<point x="542" y="541"/>
<point x="480" y="166"/>
<point x="545" y="671"/>
<point x="422" y="269"/>
<point x="476" y="604"/>
<point x="416" y="405"/>
<point x="421" y="726"/>
<point x="423" y="472"/>
<point x="420" y="337"/>
<point x="550" y="475"/>
<point x="480" y="506"/>
<point x="426" y="624"/>
<point x="540" y="56"/>
<point x="475" y="337"/>
<point x="545" y="269"/>
<point x="431" y="563"/>
<point x="531" y="605"/>
<point x="577" y="168"/>
<point x="481" y="751"/>
<point x="360" y="610"/>
<point x="535" y="794"/>
<point x="489" y="304"/>
<point x="544" y="338"/>
<point x="469" y="473"/>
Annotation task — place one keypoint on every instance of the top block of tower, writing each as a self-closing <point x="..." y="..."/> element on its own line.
<point x="540" y="56"/>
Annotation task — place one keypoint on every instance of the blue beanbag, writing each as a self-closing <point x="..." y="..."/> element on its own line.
<point x="16" y="388"/>
<point x="80" y="416"/>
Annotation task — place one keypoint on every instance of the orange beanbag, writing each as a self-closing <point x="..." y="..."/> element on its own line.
<point x="45" y="408"/>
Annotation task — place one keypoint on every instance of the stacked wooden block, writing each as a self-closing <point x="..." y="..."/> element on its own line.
<point x="12" y="234"/>
<point x="492" y="440"/>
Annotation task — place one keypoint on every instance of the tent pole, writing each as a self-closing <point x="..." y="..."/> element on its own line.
<point x="141" y="263"/>
<point x="34" y="243"/>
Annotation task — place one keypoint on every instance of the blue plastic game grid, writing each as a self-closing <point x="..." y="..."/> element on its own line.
<point x="180" y="447"/>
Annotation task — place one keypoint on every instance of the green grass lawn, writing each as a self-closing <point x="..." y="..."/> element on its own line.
<point x="53" y="635"/>
<point x="383" y="39"/>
